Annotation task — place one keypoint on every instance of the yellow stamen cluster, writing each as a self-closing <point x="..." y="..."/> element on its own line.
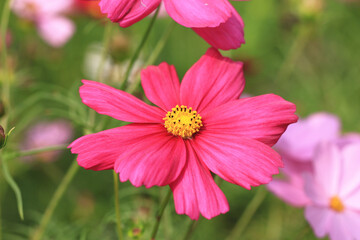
<point x="183" y="121"/>
<point x="336" y="204"/>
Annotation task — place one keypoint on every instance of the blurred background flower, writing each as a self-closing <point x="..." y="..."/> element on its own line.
<point x="334" y="191"/>
<point x="49" y="18"/>
<point x="46" y="134"/>
<point x="319" y="173"/>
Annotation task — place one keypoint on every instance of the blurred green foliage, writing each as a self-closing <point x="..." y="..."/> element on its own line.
<point x="311" y="59"/>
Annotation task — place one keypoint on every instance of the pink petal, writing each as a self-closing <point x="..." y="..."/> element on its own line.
<point x="56" y="31"/>
<point x="351" y="221"/>
<point x="295" y="169"/>
<point x="195" y="191"/>
<point x="350" y="177"/>
<point x="99" y="151"/>
<point x="288" y="192"/>
<point x="342" y="225"/>
<point x="263" y="118"/>
<point x="156" y="159"/>
<point x="242" y="161"/>
<point x="214" y="79"/>
<point x="292" y="189"/>
<point x="226" y="36"/>
<point x="346" y="139"/>
<point x="118" y="104"/>
<point x="353" y="200"/>
<point x="320" y="219"/>
<point x="199" y="13"/>
<point x="314" y="191"/>
<point x="161" y="85"/>
<point x="301" y="139"/>
<point x="128" y="12"/>
<point x="327" y="168"/>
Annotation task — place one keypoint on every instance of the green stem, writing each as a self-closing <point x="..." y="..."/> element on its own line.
<point x="4" y="26"/>
<point x="105" y="50"/>
<point x="6" y="72"/>
<point x="247" y="215"/>
<point x="295" y="50"/>
<point x="161" y="44"/>
<point x="117" y="207"/>
<point x="55" y="200"/>
<point x="160" y="214"/>
<point x="14" y="187"/>
<point x="5" y="93"/>
<point x="193" y="224"/>
<point x="138" y="50"/>
<point x="155" y="54"/>
<point x="35" y="151"/>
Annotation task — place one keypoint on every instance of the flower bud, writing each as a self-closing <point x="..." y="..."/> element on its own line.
<point x="2" y="137"/>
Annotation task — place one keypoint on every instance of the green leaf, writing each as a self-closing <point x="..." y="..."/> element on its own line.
<point x="13" y="186"/>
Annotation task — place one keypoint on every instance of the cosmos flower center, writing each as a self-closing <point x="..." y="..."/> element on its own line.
<point x="183" y="121"/>
<point x="31" y="7"/>
<point x="336" y="204"/>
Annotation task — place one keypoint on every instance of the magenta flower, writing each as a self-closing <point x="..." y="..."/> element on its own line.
<point x="199" y="126"/>
<point x="216" y="21"/>
<point x="49" y="18"/>
<point x="334" y="191"/>
<point x="297" y="147"/>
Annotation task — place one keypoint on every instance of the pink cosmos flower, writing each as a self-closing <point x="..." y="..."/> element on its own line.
<point x="46" y="134"/>
<point x="334" y="192"/>
<point x="49" y="18"/>
<point x="297" y="147"/>
<point x="200" y="126"/>
<point x="216" y="21"/>
<point x="321" y="170"/>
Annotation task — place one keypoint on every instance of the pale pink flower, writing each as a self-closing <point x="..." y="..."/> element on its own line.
<point x="49" y="18"/>
<point x="301" y="139"/>
<point x="321" y="171"/>
<point x="214" y="20"/>
<point x="297" y="147"/>
<point x="56" y="31"/>
<point x="46" y="134"/>
<point x="334" y="191"/>
<point x="199" y="126"/>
